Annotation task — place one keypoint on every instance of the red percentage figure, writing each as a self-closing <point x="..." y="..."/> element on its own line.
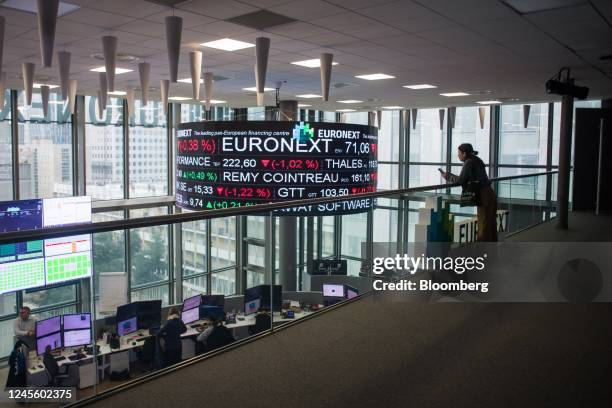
<point x="312" y="164"/>
<point x="209" y="145"/>
<point x="262" y="193"/>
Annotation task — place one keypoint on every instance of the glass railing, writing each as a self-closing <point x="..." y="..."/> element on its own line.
<point x="236" y="253"/>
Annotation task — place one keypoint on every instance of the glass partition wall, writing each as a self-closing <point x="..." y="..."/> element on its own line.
<point x="130" y="159"/>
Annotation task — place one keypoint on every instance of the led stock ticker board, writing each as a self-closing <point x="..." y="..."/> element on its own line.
<point x="233" y="164"/>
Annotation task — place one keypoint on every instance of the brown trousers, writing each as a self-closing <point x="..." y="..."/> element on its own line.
<point x="486" y="214"/>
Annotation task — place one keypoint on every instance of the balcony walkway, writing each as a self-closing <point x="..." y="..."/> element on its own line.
<point x="373" y="352"/>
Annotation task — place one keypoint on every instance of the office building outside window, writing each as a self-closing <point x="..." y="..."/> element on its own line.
<point x="105" y="149"/>
<point x="6" y="151"/>
<point x="45" y="170"/>
<point x="148" y="150"/>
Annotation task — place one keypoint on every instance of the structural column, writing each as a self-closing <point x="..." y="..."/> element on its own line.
<point x="288" y="110"/>
<point x="565" y="152"/>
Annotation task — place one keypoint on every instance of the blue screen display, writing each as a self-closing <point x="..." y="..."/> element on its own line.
<point x="21" y="215"/>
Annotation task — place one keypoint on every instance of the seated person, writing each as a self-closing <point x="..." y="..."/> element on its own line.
<point x="52" y="367"/>
<point x="215" y="335"/>
<point x="171" y="334"/>
<point x="263" y="321"/>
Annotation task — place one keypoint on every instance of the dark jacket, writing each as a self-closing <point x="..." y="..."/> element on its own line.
<point x="171" y="333"/>
<point x="473" y="170"/>
<point x="17" y="368"/>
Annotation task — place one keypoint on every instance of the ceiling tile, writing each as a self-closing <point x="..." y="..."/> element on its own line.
<point x="132" y="8"/>
<point x="315" y="9"/>
<point x="218" y="9"/>
<point x="190" y="19"/>
<point x="96" y="18"/>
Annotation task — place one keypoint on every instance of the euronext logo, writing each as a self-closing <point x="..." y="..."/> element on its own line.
<point x="303" y="132"/>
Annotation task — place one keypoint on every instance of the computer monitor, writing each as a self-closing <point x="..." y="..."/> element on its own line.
<point x="351" y="292"/>
<point x="333" y="290"/>
<point x="329" y="267"/>
<point x="21" y="215"/>
<point x="277" y="297"/>
<point x="213" y="300"/>
<point x="128" y="326"/>
<point x="77" y="321"/>
<point x="74" y="338"/>
<point x="67" y="211"/>
<point x="126" y="312"/>
<point x="338" y="267"/>
<point x="252" y="306"/>
<point x="48" y="326"/>
<point x="190" y="315"/>
<point x="192" y="302"/>
<point x="262" y="292"/>
<point x="149" y="313"/>
<point x="212" y="312"/>
<point x="54" y="340"/>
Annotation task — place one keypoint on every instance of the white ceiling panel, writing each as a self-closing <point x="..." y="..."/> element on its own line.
<point x="223" y="29"/>
<point x="468" y="11"/>
<point x="136" y="9"/>
<point x="316" y="9"/>
<point x="477" y="45"/>
<point x="97" y="18"/>
<point x="190" y="19"/>
<point x="218" y="9"/>
<point x="20" y="18"/>
<point x="359" y="4"/>
<point x="299" y="30"/>
<point x="143" y="27"/>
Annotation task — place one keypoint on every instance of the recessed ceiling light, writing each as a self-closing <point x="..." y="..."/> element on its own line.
<point x="254" y="89"/>
<point x="345" y="110"/>
<point x="227" y="44"/>
<point x="178" y="98"/>
<point x="118" y="71"/>
<point x="450" y="94"/>
<point x="308" y="96"/>
<point x="488" y="102"/>
<point x="393" y="107"/>
<point x="115" y="106"/>
<point x="374" y="77"/>
<point x="420" y="86"/>
<point x="50" y="86"/>
<point x="350" y="101"/>
<point x="303" y="105"/>
<point x="214" y="101"/>
<point x="118" y="93"/>
<point x="56" y="102"/>
<point x="188" y="80"/>
<point x="311" y="63"/>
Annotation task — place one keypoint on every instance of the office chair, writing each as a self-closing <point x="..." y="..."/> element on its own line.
<point x="68" y="379"/>
<point x="220" y="336"/>
<point x="263" y="322"/>
<point x="147" y="354"/>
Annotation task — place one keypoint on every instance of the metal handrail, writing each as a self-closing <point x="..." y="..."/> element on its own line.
<point x="259" y="209"/>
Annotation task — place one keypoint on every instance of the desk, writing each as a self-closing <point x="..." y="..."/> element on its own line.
<point x="116" y="359"/>
<point x="119" y="359"/>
